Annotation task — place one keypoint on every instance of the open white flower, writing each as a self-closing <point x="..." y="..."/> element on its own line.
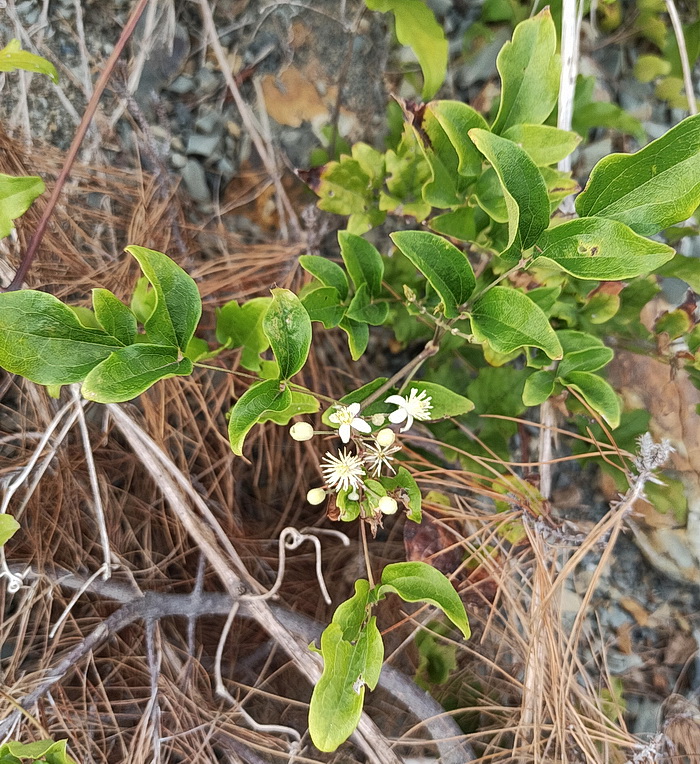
<point x="417" y="406"/>
<point x="377" y="456"/>
<point x="344" y="471"/>
<point x="346" y="417"/>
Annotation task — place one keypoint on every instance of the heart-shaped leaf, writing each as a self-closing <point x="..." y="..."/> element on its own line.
<point x="363" y="261"/>
<point x="8" y="527"/>
<point x="287" y="326"/>
<point x="131" y="370"/>
<point x="544" y="144"/>
<point x="524" y="190"/>
<point x="446" y="268"/>
<point x="652" y="189"/>
<point x="420" y="582"/>
<point x="250" y="407"/>
<point x="113" y="316"/>
<point x="417" y="27"/>
<point x="43" y="340"/>
<point x="178" y="306"/>
<point x="530" y="68"/>
<point x="510" y="320"/>
<point x="598" y="249"/>
<point x="16" y="196"/>
<point x="597" y="393"/>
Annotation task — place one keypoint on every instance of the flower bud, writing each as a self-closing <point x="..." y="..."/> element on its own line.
<point x="387" y="505"/>
<point x="301" y="431"/>
<point x="316" y="496"/>
<point x="353" y="496"/>
<point x="378" y="419"/>
<point x="385" y="438"/>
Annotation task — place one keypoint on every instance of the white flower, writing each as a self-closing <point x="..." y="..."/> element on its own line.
<point x="416" y="406"/>
<point x="377" y="455"/>
<point x="387" y="505"/>
<point x="344" y="471"/>
<point x="316" y="496"/>
<point x="301" y="431"/>
<point x="346" y="417"/>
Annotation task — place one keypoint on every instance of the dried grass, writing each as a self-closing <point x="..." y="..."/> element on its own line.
<point x="523" y="686"/>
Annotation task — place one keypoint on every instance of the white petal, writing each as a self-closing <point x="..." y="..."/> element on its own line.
<point x="333" y="418"/>
<point x="398" y="400"/>
<point x="408" y="425"/>
<point x="361" y="426"/>
<point x="344" y="432"/>
<point x="398" y="416"/>
<point x="354" y="408"/>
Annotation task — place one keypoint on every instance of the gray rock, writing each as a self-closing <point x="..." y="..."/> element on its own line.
<point x="195" y="181"/>
<point x="203" y="145"/>
<point x="648" y="714"/>
<point x="181" y="85"/>
<point x="226" y="167"/>
<point x="635" y="98"/>
<point x="207" y="81"/>
<point x="208" y="123"/>
<point x="178" y="161"/>
<point x="618" y="663"/>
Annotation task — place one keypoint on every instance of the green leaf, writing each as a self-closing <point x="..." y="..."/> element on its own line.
<point x="648" y="68"/>
<point x="405" y="490"/>
<point x="337" y="699"/>
<point x="458" y="224"/>
<point x="538" y="387"/>
<point x="444" y="402"/>
<point x="529" y="67"/>
<point x="582" y="352"/>
<point x="251" y="406"/>
<point x="608" y="115"/>
<point x="13" y="57"/>
<point x="523" y="187"/>
<point x="598" y="249"/>
<point x="652" y="189"/>
<point x="420" y="582"/>
<point x="143" y="300"/>
<point x="544" y="144"/>
<point x="178" y="306"/>
<point x="362" y="309"/>
<point x="301" y="403"/>
<point x="488" y="192"/>
<point x="358" y="336"/>
<point x="113" y="316"/>
<point x="8" y="527"/>
<point x="559" y="186"/>
<point x="36" y="750"/>
<point x="352" y="614"/>
<point x="288" y="328"/>
<point x="544" y="297"/>
<point x="446" y="268"/>
<point x="445" y="187"/>
<point x="685" y="268"/>
<point x="131" y="370"/>
<point x="417" y="27"/>
<point x="323" y="304"/>
<point x="16" y="196"/>
<point x="509" y="320"/>
<point x="456" y="119"/>
<point x="43" y="340"/>
<point x="330" y="274"/>
<point x="597" y="393"/>
<point x="363" y="261"/>
<point x="241" y="326"/>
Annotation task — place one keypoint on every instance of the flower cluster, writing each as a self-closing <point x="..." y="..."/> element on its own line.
<point x="347" y="471"/>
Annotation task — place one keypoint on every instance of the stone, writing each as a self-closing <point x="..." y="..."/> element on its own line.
<point x="195" y="180"/>
<point x="203" y="145"/>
